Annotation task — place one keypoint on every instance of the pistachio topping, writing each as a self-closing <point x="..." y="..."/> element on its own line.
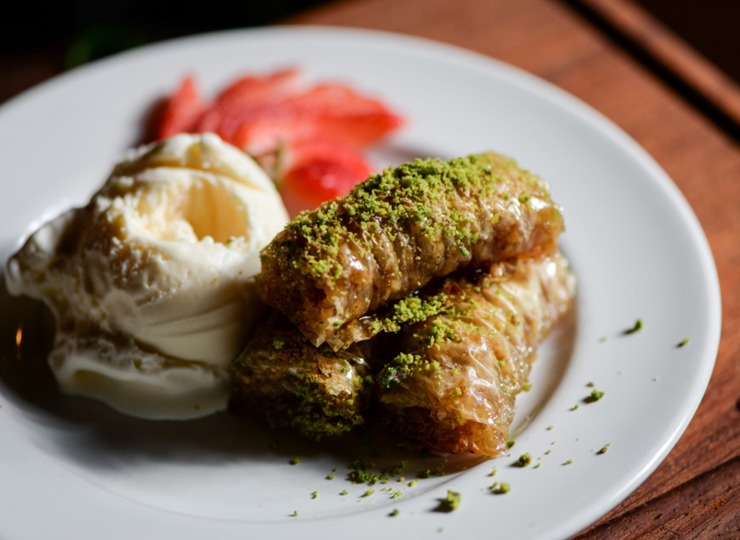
<point x="450" y="502"/>
<point x="635" y="328"/>
<point x="500" y="488"/>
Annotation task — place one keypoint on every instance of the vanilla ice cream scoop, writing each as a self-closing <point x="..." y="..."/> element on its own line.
<point x="150" y="282"/>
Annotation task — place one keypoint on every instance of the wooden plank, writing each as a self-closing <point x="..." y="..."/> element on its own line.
<point x="671" y="52"/>
<point x="707" y="507"/>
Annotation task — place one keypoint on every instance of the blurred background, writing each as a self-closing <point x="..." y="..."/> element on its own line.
<point x="67" y="34"/>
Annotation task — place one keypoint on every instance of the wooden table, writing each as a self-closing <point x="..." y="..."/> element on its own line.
<point x="672" y="104"/>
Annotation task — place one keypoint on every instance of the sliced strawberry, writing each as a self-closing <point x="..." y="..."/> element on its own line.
<point x="317" y="171"/>
<point x="341" y="100"/>
<point x="263" y="130"/>
<point x="254" y="90"/>
<point x="248" y="94"/>
<point x="277" y="112"/>
<point x="182" y="110"/>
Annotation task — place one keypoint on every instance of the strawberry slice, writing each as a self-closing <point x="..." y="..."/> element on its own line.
<point x="245" y="95"/>
<point x="182" y="110"/>
<point x="255" y="90"/>
<point x="327" y="110"/>
<point x="317" y="171"/>
<point x="265" y="133"/>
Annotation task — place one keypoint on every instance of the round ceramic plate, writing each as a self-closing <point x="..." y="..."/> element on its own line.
<point x="72" y="468"/>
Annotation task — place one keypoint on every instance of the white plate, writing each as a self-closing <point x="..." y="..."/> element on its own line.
<point x="71" y="468"/>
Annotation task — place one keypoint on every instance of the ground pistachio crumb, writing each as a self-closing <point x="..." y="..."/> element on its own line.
<point x="344" y="492"/>
<point x="295" y="461"/>
<point x="574" y="407"/>
<point x="683" y="343"/>
<point x="394" y="512"/>
<point x="359" y="474"/>
<point x="510" y="443"/>
<point x="330" y="476"/>
<point x="493" y="472"/>
<point x="524" y="460"/>
<point x="603" y="449"/>
<point x="499" y="488"/>
<point x="314" y="494"/>
<point x="428" y="473"/>
<point x="568" y="462"/>
<point x="594" y="396"/>
<point x="635" y="328"/>
<point x="368" y="493"/>
<point x="294" y="514"/>
<point x="450" y="502"/>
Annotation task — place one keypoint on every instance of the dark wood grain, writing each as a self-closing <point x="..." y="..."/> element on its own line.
<point x="705" y="84"/>
<point x="693" y="493"/>
<point x="708" y="507"/>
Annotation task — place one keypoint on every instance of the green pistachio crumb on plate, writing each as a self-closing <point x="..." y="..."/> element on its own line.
<point x="635" y="328"/>
<point x="594" y="396"/>
<point x="295" y="461"/>
<point x="394" y="512"/>
<point x="499" y="488"/>
<point x="524" y="460"/>
<point x="603" y="449"/>
<point x="683" y="343"/>
<point x="450" y="502"/>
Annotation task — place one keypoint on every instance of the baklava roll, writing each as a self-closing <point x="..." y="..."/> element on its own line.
<point x="454" y="380"/>
<point x="400" y="229"/>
